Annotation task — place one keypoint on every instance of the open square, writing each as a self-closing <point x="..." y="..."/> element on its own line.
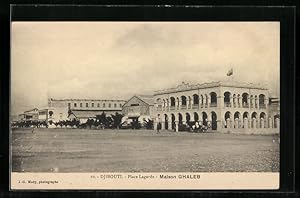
<point x="83" y="150"/>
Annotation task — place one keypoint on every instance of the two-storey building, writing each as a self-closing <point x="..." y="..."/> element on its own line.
<point x="219" y="105"/>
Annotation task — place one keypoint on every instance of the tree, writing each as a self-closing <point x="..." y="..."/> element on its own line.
<point x="117" y="120"/>
<point x="102" y="119"/>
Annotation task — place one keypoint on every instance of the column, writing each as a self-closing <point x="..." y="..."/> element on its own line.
<point x="256" y="103"/>
<point x="236" y="123"/>
<point x="219" y="125"/>
<point x="179" y="106"/>
<point x="183" y="119"/>
<point x="169" y="104"/>
<point x="270" y="122"/>
<point x="262" y="123"/>
<point x="155" y="125"/>
<point x="200" y="101"/>
<point x="277" y="121"/>
<point x="170" y="124"/>
<point x="230" y="101"/>
<point x="220" y="101"/>
<point x="163" y="125"/>
<point x="246" y="123"/>
<point x="254" y="122"/>
<point x="191" y="102"/>
<point x="200" y="118"/>
<point x="228" y="124"/>
<point x="248" y="101"/>
<point x="208" y="101"/>
<point x="176" y="126"/>
<point x="241" y="124"/>
<point x="250" y="123"/>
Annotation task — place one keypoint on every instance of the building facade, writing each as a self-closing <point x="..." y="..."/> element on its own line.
<point x="138" y="108"/>
<point x="219" y="105"/>
<point x="63" y="109"/>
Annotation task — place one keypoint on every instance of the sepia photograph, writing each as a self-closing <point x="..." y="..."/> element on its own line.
<point x="170" y="100"/>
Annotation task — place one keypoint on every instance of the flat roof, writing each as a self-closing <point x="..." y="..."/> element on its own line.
<point x="186" y="86"/>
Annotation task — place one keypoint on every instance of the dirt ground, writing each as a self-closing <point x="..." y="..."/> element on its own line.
<point x="80" y="150"/>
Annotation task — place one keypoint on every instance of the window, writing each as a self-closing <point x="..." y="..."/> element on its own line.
<point x="98" y="105"/>
<point x="69" y="105"/>
<point x="109" y="105"/>
<point x="115" y="105"/>
<point x="120" y="105"/>
<point x="92" y="104"/>
<point x="80" y="104"/>
<point x="75" y="104"/>
<point x="86" y="104"/>
<point x="103" y="104"/>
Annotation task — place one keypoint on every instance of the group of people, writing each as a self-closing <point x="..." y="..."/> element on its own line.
<point x="195" y="128"/>
<point x="199" y="128"/>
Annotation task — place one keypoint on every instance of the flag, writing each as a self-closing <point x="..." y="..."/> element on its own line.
<point x="230" y="72"/>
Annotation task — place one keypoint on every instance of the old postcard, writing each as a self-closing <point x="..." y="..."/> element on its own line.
<point x="145" y="105"/>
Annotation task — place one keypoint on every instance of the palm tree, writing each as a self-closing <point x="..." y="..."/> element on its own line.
<point x="117" y="119"/>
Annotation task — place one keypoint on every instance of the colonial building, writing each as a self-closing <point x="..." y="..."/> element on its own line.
<point x="139" y="107"/>
<point x="63" y="109"/>
<point x="223" y="106"/>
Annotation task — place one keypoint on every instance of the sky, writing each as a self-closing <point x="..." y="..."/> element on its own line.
<point x="116" y="60"/>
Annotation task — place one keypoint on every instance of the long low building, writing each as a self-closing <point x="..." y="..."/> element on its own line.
<point x="82" y="109"/>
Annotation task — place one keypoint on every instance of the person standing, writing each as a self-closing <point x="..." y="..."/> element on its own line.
<point x="158" y="127"/>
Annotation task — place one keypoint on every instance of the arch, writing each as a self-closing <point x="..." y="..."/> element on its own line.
<point x="227" y="115"/>
<point x="196" y="117"/>
<point x="254" y="115"/>
<point x="263" y="115"/>
<point x="183" y="101"/>
<point x="236" y="115"/>
<point x="173" y="101"/>
<point x="158" y="100"/>
<point x="213" y="98"/>
<point x="196" y="99"/>
<point x="187" y="118"/>
<point x="227" y="95"/>
<point x="214" y="124"/>
<point x="234" y="99"/>
<point x="173" y="118"/>
<point x="261" y="99"/>
<point x="166" y="122"/>
<point x="163" y="102"/>
<point x="201" y="97"/>
<point x="167" y="102"/>
<point x="204" y="118"/>
<point x="245" y="98"/>
<point x="180" y="119"/>
<point x="245" y="115"/>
